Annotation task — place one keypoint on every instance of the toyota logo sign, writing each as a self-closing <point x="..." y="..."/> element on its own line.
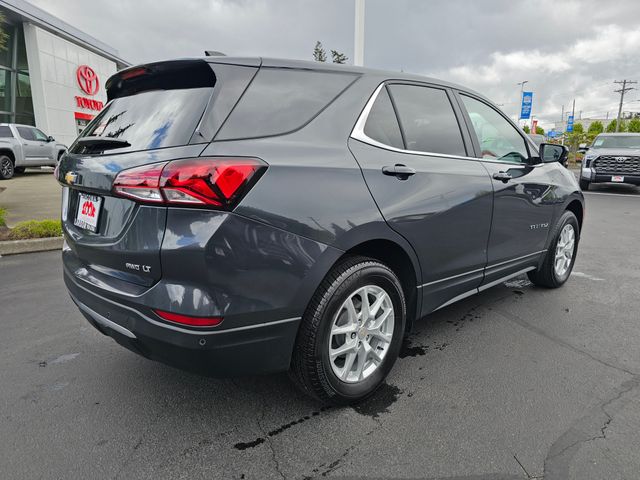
<point x="87" y="79"/>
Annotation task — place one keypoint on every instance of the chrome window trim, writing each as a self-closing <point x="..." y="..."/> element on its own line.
<point x="358" y="134"/>
<point x="358" y="131"/>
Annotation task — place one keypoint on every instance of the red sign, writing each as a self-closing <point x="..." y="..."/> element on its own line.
<point x="87" y="80"/>
<point x="534" y="125"/>
<point x="89" y="103"/>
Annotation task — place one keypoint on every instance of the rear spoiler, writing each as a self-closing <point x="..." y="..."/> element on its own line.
<point x="174" y="74"/>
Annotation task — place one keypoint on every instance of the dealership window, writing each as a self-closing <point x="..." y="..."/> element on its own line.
<point x="16" y="103"/>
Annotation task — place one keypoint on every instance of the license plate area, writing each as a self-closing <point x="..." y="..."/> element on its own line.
<point x="617" y="178"/>
<point x="88" y="212"/>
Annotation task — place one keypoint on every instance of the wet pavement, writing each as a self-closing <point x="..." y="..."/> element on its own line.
<point x="517" y="382"/>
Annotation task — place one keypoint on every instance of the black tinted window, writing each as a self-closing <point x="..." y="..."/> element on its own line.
<point x="281" y="100"/>
<point x="151" y="119"/>
<point x="428" y="120"/>
<point x="5" y="132"/>
<point x="26" y="133"/>
<point x="382" y="124"/>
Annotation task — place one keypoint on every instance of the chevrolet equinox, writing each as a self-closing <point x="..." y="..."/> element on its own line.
<point x="236" y="216"/>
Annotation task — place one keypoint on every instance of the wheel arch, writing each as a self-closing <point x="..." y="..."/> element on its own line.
<point x="576" y="207"/>
<point x="402" y="262"/>
<point x="9" y="153"/>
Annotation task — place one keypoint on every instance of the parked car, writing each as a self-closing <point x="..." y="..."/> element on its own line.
<point x="23" y="146"/>
<point x="612" y="157"/>
<point x="238" y="216"/>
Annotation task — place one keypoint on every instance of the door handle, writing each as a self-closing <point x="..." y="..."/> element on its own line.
<point x="503" y="176"/>
<point x="398" y="170"/>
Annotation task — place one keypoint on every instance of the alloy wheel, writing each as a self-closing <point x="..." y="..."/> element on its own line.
<point x="361" y="333"/>
<point x="564" y="250"/>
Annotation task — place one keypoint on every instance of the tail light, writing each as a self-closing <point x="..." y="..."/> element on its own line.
<point x="218" y="182"/>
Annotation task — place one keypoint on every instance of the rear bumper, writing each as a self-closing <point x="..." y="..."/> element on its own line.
<point x="257" y="277"/>
<point x="252" y="349"/>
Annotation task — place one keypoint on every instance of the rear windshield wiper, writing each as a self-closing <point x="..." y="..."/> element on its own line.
<point x="102" y="143"/>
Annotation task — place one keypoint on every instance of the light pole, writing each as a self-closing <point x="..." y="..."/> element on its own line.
<point x="358" y="35"/>
<point x="521" y="91"/>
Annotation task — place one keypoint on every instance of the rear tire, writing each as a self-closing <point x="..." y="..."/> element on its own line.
<point x="584" y="184"/>
<point x="561" y="255"/>
<point x="372" y="337"/>
<point x="6" y="167"/>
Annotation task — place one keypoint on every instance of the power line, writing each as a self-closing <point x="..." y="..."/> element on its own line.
<point x="622" y="92"/>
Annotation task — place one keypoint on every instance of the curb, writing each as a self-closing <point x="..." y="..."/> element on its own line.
<point x="14" y="247"/>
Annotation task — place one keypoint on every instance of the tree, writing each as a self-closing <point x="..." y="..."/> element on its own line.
<point x="595" y="128"/>
<point x="338" y="57"/>
<point x="539" y="130"/>
<point x="319" y="55"/>
<point x="578" y="128"/>
<point x="634" y="125"/>
<point x="526" y="129"/>
<point x="611" y="128"/>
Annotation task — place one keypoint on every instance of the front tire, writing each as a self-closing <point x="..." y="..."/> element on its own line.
<point x="6" y="167"/>
<point x="351" y="332"/>
<point x="561" y="255"/>
<point x="584" y="184"/>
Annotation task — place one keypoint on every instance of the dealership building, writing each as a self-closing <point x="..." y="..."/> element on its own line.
<point x="51" y="74"/>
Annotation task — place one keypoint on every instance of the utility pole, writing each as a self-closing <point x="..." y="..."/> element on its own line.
<point x="358" y="37"/>
<point x="622" y="92"/>
<point x="562" y="124"/>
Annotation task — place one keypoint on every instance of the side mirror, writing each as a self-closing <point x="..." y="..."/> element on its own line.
<point x="551" y="152"/>
<point x="50" y="139"/>
<point x="583" y="147"/>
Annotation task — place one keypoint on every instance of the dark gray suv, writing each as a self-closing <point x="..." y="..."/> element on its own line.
<point x="237" y="216"/>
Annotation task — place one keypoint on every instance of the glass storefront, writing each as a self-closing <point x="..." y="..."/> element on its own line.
<point x="16" y="104"/>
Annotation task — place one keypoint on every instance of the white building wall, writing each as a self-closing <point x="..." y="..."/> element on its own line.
<point x="53" y="62"/>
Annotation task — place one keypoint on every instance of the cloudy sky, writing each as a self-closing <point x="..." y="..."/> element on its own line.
<point x="565" y="49"/>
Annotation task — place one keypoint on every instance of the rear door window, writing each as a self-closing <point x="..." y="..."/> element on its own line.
<point x="427" y="120"/>
<point x="382" y="123"/>
<point x="281" y="100"/>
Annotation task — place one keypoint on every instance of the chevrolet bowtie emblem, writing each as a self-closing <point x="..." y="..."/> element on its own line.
<point x="71" y="177"/>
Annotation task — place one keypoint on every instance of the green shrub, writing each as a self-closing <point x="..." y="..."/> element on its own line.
<point x="36" y="229"/>
<point x="3" y="213"/>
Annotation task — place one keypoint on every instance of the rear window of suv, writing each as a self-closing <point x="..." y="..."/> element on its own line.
<point x="282" y="100"/>
<point x="151" y="119"/>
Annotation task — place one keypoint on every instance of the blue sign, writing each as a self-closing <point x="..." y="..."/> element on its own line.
<point x="525" y="110"/>
<point x="552" y="134"/>
<point x="570" y="123"/>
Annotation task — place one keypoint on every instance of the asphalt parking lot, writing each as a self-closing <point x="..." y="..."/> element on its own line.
<point x="517" y="382"/>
